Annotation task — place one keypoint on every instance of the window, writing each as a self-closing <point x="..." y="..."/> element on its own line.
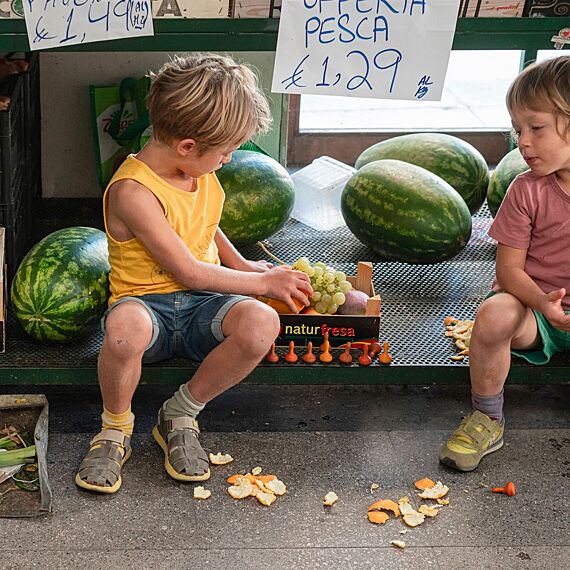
<point x="472" y="107"/>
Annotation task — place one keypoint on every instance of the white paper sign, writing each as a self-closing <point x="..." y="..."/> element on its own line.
<point x="384" y="49"/>
<point x="59" y="23"/>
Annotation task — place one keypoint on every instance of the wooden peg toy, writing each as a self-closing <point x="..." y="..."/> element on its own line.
<point x="325" y="341"/>
<point x="326" y="356"/>
<point x="385" y="357"/>
<point x="291" y="357"/>
<point x="509" y="489"/>
<point x="309" y="357"/>
<point x="272" y="356"/>
<point x="345" y="357"/>
<point x="364" y="359"/>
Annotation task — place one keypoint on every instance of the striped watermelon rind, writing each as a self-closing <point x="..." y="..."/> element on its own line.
<point x="61" y="287"/>
<point x="259" y="197"/>
<point x="405" y="213"/>
<point x="509" y="167"/>
<point x="460" y="164"/>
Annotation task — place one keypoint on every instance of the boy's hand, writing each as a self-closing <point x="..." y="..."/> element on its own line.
<point x="287" y="284"/>
<point x="553" y="311"/>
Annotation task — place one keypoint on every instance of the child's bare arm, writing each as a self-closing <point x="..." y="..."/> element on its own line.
<point x="232" y="258"/>
<point x="515" y="280"/>
<point x="133" y="211"/>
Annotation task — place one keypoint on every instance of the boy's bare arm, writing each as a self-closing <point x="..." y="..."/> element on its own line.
<point x="231" y="257"/>
<point x="133" y="211"/>
<point x="515" y="280"/>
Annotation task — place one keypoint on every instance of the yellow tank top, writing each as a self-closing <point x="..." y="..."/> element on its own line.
<point x="194" y="217"/>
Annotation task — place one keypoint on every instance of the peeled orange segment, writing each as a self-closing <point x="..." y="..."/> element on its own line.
<point x="266" y="498"/>
<point x="438" y="491"/>
<point x="378" y="517"/>
<point x="385" y="505"/>
<point x="424" y="483"/>
<point x="330" y="499"/>
<point x="220" y="458"/>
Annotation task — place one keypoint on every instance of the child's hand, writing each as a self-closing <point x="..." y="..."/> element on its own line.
<point x="287" y="284"/>
<point x="553" y="311"/>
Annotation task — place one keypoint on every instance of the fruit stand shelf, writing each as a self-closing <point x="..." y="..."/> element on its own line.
<point x="415" y="301"/>
<point x="261" y="35"/>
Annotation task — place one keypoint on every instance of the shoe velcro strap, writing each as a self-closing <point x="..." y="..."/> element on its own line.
<point x="113" y="435"/>
<point x="182" y="422"/>
<point x="104" y="452"/>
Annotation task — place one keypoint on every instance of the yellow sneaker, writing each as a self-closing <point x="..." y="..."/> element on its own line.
<point x="477" y="436"/>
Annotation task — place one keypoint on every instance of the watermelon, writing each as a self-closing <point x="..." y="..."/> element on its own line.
<point x="456" y="161"/>
<point x="259" y="197"/>
<point x="62" y="285"/>
<point x="510" y="166"/>
<point x="405" y="213"/>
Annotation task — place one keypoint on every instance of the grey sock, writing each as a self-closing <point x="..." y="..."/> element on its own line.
<point x="182" y="404"/>
<point x="491" y="406"/>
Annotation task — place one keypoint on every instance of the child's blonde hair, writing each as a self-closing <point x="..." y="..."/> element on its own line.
<point x="543" y="87"/>
<point x="209" y="98"/>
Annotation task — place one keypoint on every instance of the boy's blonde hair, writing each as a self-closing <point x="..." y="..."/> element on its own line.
<point x="543" y="87"/>
<point x="209" y="98"/>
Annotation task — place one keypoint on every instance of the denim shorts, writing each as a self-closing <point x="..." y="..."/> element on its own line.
<point x="187" y="324"/>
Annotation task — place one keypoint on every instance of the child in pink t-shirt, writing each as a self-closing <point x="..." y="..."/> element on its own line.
<point x="528" y="312"/>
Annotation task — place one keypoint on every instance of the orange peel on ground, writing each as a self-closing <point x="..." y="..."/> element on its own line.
<point x="266" y="499"/>
<point x="438" y="491"/>
<point x="378" y="517"/>
<point x="276" y="486"/>
<point x="266" y="478"/>
<point x="414" y="519"/>
<point x="201" y="493"/>
<point x="385" y="505"/>
<point x="233" y="479"/>
<point x="429" y="511"/>
<point x="330" y="499"/>
<point x="220" y="458"/>
<point x="425" y="483"/>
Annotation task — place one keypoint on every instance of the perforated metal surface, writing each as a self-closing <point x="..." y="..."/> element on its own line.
<point x="415" y="300"/>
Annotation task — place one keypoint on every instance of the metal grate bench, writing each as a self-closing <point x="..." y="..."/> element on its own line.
<point x="415" y="300"/>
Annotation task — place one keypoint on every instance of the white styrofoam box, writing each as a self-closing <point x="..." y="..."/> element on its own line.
<point x="318" y="188"/>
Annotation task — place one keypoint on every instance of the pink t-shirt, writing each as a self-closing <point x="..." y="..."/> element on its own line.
<point x="535" y="215"/>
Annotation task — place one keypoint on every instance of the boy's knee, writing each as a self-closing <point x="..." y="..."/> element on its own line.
<point x="258" y="328"/>
<point x="128" y="330"/>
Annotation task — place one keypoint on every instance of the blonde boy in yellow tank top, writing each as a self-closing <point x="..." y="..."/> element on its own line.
<point x="178" y="286"/>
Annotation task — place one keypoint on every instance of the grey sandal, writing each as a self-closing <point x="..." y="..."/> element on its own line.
<point x="184" y="458"/>
<point x="100" y="471"/>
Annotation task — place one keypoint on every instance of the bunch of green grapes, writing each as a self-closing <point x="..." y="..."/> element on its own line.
<point x="329" y="286"/>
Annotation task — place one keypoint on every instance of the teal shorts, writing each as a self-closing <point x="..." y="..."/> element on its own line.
<point x="553" y="341"/>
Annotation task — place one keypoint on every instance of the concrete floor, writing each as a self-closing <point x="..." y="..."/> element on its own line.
<point x="316" y="439"/>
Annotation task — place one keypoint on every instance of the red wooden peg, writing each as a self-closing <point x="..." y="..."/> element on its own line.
<point x="309" y="357"/>
<point x="272" y="356"/>
<point x="291" y="357"/>
<point x="345" y="357"/>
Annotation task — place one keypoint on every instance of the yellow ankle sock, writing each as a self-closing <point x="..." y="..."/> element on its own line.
<point x="124" y="422"/>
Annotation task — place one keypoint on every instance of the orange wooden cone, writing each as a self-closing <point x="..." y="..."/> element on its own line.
<point x="325" y="341"/>
<point x="364" y="359"/>
<point x="309" y="357"/>
<point x="272" y="356"/>
<point x="509" y="489"/>
<point x="345" y="357"/>
<point x="326" y="356"/>
<point x="291" y="357"/>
